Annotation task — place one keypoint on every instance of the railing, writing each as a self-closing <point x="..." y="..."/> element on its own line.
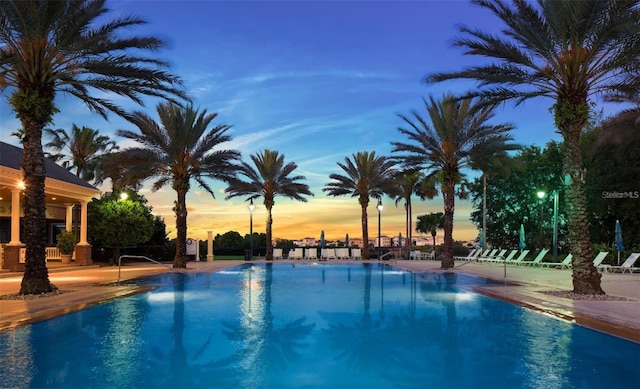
<point x="138" y="257"/>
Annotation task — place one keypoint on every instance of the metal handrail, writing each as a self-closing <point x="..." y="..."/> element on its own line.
<point x="384" y="255"/>
<point x="138" y="257"/>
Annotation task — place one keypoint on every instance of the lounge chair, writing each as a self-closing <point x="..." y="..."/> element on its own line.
<point x="597" y="261"/>
<point x="311" y="253"/>
<point x="487" y="255"/>
<point x="508" y="258"/>
<point x="468" y="257"/>
<point x="626" y="266"/>
<point x="356" y="254"/>
<point x="415" y="255"/>
<point x="296" y="253"/>
<point x="328" y="254"/>
<point x="277" y="254"/>
<point x="342" y="253"/>
<point x="565" y="264"/>
<point x="538" y="259"/>
<point x="520" y="258"/>
<point x="492" y="257"/>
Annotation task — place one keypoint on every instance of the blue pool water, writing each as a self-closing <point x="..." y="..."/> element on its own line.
<point x="313" y="326"/>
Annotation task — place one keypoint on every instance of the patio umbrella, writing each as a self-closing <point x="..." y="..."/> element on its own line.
<point x="481" y="238"/>
<point x="522" y="243"/>
<point x="322" y="239"/>
<point x="400" y="239"/>
<point x="346" y="241"/>
<point x="619" y="245"/>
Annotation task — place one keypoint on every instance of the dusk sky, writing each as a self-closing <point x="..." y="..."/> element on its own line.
<point x="315" y="80"/>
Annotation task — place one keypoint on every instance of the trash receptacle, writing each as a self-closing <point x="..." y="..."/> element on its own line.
<point x="247" y="255"/>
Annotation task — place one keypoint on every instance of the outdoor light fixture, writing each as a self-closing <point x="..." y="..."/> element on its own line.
<point x="124" y="196"/>
<point x="380" y="207"/>
<point x="251" y="208"/>
<point x="554" y="193"/>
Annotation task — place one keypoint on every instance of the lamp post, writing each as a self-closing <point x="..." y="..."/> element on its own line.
<point x="541" y="195"/>
<point x="554" y="222"/>
<point x="380" y="207"/>
<point x="251" y="208"/>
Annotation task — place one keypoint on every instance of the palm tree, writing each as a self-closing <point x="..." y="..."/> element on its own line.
<point x="83" y="150"/>
<point x="59" y="46"/>
<point x="410" y="183"/>
<point x="430" y="224"/>
<point x="367" y="176"/>
<point x="459" y="131"/>
<point x="568" y="51"/>
<point x="179" y="148"/>
<point x="270" y="177"/>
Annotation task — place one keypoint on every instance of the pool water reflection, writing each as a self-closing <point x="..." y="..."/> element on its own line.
<point x="316" y="326"/>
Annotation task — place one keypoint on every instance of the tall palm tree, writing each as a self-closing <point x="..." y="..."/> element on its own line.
<point x="410" y="183"/>
<point x="270" y="177"/>
<point x="181" y="147"/>
<point x="81" y="150"/>
<point x="60" y="46"/>
<point x="459" y="130"/>
<point x="430" y="224"/>
<point x="367" y="175"/>
<point x="570" y="52"/>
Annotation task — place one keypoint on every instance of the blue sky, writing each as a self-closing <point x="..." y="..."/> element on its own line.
<point x="316" y="80"/>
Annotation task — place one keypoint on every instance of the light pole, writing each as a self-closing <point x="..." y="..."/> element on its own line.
<point x="541" y="195"/>
<point x="380" y="207"/>
<point x="554" y="222"/>
<point x="251" y="208"/>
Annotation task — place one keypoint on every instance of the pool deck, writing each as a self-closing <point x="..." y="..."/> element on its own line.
<point x="83" y="287"/>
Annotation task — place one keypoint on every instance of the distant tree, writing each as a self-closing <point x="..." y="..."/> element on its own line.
<point x="512" y="198"/>
<point x="178" y="149"/>
<point x="269" y="178"/>
<point x="569" y="52"/>
<point x="159" y="236"/>
<point x="430" y="224"/>
<point x="73" y="48"/>
<point x="411" y="183"/>
<point x="82" y="150"/>
<point x="230" y="239"/>
<point x="367" y="175"/>
<point x="285" y="244"/>
<point x="118" y="222"/>
<point x="459" y="131"/>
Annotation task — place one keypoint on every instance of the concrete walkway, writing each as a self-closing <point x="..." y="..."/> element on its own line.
<point x="83" y="287"/>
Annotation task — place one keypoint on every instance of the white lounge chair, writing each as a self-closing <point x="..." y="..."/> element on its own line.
<point x="597" y="261"/>
<point x="277" y="254"/>
<point x="565" y="264"/>
<point x="520" y="258"/>
<point x="296" y="253"/>
<point x="626" y="266"/>
<point x="311" y="253"/>
<point x="342" y="253"/>
<point x="508" y="258"/>
<point x="488" y="254"/>
<point x="493" y="255"/>
<point x="537" y="260"/>
<point x="328" y="254"/>
<point x="356" y="254"/>
<point x="415" y="255"/>
<point x="468" y="257"/>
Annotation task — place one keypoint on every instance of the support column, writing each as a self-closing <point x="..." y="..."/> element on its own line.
<point x="15" y="217"/>
<point x="83" y="248"/>
<point x="69" y="216"/>
<point x="83" y="223"/>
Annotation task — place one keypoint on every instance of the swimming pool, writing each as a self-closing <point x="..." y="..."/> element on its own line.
<point x="313" y="326"/>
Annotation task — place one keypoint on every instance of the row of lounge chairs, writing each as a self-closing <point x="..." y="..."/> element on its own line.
<point x="496" y="256"/>
<point x="311" y="254"/>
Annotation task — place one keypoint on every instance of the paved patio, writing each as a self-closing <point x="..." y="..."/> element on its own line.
<point x="83" y="287"/>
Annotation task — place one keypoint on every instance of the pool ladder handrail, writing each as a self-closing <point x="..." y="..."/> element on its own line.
<point x="138" y="257"/>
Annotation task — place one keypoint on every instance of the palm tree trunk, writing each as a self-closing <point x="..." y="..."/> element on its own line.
<point x="269" y="253"/>
<point x="448" y="192"/>
<point x="586" y="278"/>
<point x="365" y="233"/>
<point x="180" y="260"/>
<point x="409" y="230"/>
<point x="34" y="111"/>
